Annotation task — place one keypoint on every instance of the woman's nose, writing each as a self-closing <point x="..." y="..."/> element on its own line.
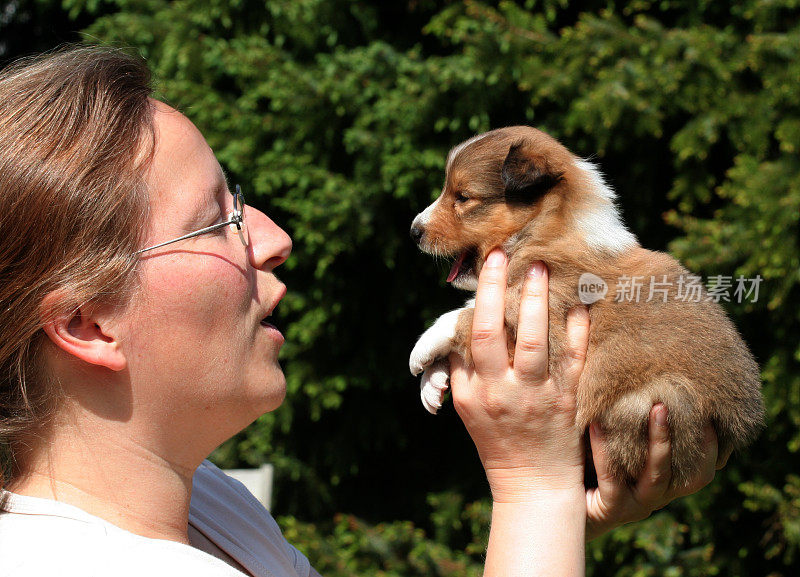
<point x="270" y="246"/>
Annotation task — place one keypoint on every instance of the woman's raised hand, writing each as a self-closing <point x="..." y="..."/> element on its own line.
<point x="521" y="418"/>
<point x="522" y="421"/>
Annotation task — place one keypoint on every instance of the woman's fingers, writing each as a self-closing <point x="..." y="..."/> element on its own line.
<point x="710" y="456"/>
<point x="613" y="503"/>
<point x="461" y="385"/>
<point x="489" y="347"/>
<point x="651" y="488"/>
<point x="610" y="488"/>
<point x="604" y="503"/>
<point x="706" y="465"/>
<point x="577" y="343"/>
<point x="530" y="354"/>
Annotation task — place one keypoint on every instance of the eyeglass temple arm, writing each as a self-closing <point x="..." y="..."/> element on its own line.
<point x="190" y="235"/>
<point x="235" y="219"/>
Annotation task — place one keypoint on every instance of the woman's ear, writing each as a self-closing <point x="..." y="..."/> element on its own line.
<point x="83" y="333"/>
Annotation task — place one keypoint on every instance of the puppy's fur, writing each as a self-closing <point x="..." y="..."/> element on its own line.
<point x="519" y="189"/>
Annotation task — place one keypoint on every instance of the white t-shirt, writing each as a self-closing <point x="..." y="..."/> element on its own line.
<point x="42" y="537"/>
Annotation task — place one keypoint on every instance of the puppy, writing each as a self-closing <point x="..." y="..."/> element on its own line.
<point x="520" y="189"/>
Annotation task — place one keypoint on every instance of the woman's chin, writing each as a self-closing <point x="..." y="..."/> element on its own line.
<point x="273" y="393"/>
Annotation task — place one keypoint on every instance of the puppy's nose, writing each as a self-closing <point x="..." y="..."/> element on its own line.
<point x="416" y="233"/>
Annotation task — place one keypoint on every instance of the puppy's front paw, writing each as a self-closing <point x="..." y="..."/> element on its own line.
<point x="435" y="382"/>
<point x="422" y="356"/>
<point x="435" y="343"/>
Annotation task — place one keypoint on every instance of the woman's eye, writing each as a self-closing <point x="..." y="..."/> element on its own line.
<point x="219" y="229"/>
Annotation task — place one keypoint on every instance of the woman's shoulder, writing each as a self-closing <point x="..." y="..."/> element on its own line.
<point x="46" y="537"/>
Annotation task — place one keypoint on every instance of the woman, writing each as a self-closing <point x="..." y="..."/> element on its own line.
<point x="136" y="288"/>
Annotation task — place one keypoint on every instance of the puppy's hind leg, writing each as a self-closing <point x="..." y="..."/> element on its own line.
<point x="625" y="428"/>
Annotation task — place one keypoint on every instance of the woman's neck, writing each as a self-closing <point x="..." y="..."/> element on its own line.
<point x="112" y="477"/>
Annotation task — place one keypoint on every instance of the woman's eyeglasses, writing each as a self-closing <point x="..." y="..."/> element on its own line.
<point x="236" y="219"/>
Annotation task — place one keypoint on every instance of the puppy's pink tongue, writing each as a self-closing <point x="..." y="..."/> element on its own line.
<point x="456" y="265"/>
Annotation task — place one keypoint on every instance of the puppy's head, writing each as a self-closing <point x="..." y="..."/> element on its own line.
<point x="497" y="184"/>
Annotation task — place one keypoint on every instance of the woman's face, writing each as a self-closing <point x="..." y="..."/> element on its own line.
<point x="198" y="352"/>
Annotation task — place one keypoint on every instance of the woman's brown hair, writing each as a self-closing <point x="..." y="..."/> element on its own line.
<point x="76" y="134"/>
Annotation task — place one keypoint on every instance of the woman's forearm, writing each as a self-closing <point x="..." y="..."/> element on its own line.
<point x="542" y="535"/>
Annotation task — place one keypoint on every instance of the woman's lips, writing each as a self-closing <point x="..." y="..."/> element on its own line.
<point x="273" y="331"/>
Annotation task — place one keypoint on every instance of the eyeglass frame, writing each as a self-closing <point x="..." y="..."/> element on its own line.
<point x="237" y="218"/>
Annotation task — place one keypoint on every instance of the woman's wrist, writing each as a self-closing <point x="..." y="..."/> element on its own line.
<point x="531" y="484"/>
<point x="544" y="534"/>
<point x="565" y="503"/>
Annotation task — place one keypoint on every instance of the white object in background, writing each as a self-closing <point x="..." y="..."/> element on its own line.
<point x="258" y="482"/>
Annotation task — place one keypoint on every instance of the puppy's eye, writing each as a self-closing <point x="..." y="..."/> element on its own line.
<point x="461" y="197"/>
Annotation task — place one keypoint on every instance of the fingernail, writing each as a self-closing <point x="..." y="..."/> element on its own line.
<point x="661" y="416"/>
<point x="537" y="269"/>
<point x="495" y="259"/>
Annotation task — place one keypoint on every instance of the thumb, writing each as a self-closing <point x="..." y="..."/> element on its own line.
<point x="461" y="385"/>
<point x="609" y="490"/>
<point x="459" y="373"/>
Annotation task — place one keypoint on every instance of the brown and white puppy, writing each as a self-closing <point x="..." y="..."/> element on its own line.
<point x="519" y="189"/>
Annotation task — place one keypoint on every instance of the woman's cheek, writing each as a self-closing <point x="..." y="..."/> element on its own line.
<point x="199" y="297"/>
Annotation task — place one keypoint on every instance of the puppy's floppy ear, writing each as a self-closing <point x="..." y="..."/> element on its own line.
<point x="527" y="176"/>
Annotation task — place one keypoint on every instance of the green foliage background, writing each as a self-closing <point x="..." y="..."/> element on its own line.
<point x="338" y="114"/>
